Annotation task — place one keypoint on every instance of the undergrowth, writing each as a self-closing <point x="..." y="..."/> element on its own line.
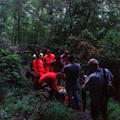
<point x="34" y="107"/>
<point x="113" y="110"/>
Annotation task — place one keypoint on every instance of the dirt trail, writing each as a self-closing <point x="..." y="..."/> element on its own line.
<point x="86" y="115"/>
<point x="83" y="115"/>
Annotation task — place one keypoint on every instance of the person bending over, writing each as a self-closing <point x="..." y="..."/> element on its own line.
<point x="51" y="78"/>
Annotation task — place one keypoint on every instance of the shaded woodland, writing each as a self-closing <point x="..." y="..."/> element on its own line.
<point x="87" y="28"/>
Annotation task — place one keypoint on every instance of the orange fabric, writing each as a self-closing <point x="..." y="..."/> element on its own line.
<point x="49" y="78"/>
<point x="65" y="101"/>
<point x="47" y="68"/>
<point x="66" y="98"/>
<point x="37" y="66"/>
<point x="48" y="58"/>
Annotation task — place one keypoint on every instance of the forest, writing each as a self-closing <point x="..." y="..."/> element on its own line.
<point x="86" y="28"/>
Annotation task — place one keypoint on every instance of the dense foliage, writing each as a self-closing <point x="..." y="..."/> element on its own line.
<point x="113" y="110"/>
<point x="87" y="28"/>
<point x="10" y="72"/>
<point x="46" y="21"/>
<point x="27" y="104"/>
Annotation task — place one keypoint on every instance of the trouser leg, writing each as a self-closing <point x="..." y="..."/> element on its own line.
<point x="69" y="93"/>
<point x="104" y="111"/>
<point x="84" y="100"/>
<point x="36" y="83"/>
<point x="76" y="97"/>
<point x="40" y="73"/>
<point x="47" y="69"/>
<point x="94" y="111"/>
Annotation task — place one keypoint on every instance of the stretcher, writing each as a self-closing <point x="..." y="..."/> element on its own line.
<point x="63" y="96"/>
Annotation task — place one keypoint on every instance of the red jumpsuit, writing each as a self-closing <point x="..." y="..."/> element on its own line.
<point x="48" y="58"/>
<point x="37" y="66"/>
<point x="49" y="78"/>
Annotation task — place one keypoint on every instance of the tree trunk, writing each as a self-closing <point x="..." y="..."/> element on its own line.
<point x="86" y="20"/>
<point x="18" y="26"/>
<point x="88" y="16"/>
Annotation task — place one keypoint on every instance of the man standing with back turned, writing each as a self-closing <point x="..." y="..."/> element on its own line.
<point x="96" y="84"/>
<point x="72" y="72"/>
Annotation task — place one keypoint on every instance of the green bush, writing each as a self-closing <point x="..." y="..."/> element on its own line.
<point x="60" y="112"/>
<point x="10" y="65"/>
<point x="24" y="106"/>
<point x="113" y="110"/>
<point x="34" y="106"/>
<point x="10" y="72"/>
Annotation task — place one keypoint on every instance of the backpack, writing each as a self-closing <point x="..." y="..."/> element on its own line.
<point x="110" y="90"/>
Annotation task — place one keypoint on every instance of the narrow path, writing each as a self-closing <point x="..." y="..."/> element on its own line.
<point x="86" y="115"/>
<point x="83" y="115"/>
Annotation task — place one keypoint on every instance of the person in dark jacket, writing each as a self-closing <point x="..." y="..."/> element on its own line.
<point x="72" y="85"/>
<point x="95" y="83"/>
<point x="56" y="65"/>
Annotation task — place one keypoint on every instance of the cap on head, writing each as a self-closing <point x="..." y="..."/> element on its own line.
<point x="93" y="61"/>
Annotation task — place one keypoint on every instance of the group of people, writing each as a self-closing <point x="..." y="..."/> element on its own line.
<point x="51" y="69"/>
